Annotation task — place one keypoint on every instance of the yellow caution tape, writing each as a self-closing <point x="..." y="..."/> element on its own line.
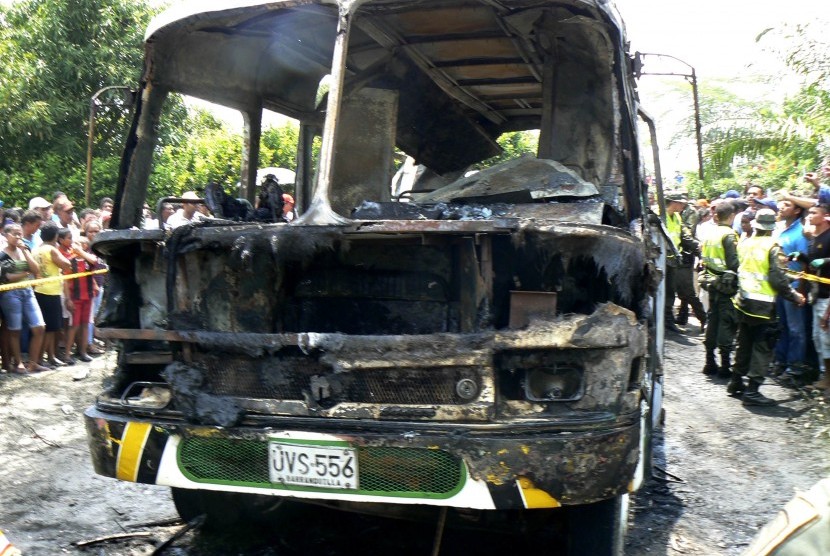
<point x="809" y="277"/>
<point x="50" y="279"/>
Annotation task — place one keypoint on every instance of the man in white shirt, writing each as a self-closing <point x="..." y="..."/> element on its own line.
<point x="187" y="214"/>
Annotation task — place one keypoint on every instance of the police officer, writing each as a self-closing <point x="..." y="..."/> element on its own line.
<point x="690" y="218"/>
<point x="760" y="278"/>
<point x="679" y="269"/>
<point x="720" y="278"/>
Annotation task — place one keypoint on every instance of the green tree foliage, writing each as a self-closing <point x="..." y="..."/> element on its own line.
<point x="200" y="151"/>
<point x="213" y="152"/>
<point x="56" y="54"/>
<point x="278" y="146"/>
<point x="514" y="144"/>
<point x="765" y="144"/>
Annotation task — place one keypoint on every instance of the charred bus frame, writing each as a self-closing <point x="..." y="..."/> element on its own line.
<point x="493" y="343"/>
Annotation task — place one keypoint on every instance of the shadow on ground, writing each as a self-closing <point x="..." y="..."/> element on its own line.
<point x="656" y="507"/>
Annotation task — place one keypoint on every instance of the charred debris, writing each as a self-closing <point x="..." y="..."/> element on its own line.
<point x="512" y="267"/>
<point x="440" y="304"/>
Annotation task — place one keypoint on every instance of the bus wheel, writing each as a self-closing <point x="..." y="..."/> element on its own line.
<point x="222" y="509"/>
<point x="599" y="528"/>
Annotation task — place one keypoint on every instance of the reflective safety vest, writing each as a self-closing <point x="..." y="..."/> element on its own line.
<point x="674" y="226"/>
<point x="753" y="272"/>
<point x="712" y="251"/>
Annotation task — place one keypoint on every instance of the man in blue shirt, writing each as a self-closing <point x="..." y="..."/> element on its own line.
<point x="791" y="348"/>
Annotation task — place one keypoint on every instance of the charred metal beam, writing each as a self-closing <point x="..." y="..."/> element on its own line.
<point x="390" y="40"/>
<point x="305" y="173"/>
<point x="550" y="85"/>
<point x="484" y="61"/>
<point x="132" y="187"/>
<point x="534" y="97"/>
<point x="455" y="37"/>
<point x="366" y="76"/>
<point x="446" y="226"/>
<point x="470" y="284"/>
<point x="496" y="81"/>
<point x="320" y="211"/>
<point x="520" y="112"/>
<point x="251" y="135"/>
<point x="611" y="326"/>
<point x="534" y="63"/>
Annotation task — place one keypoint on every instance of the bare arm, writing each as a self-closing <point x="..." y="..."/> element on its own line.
<point x="23" y="274"/>
<point x="778" y="278"/>
<point x="91" y="259"/>
<point x="34" y="268"/>
<point x="62" y="262"/>
<point x="803" y="202"/>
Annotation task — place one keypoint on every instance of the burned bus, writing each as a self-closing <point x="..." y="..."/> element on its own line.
<point x="483" y="342"/>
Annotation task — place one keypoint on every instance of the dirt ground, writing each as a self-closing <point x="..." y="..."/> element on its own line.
<point x="729" y="470"/>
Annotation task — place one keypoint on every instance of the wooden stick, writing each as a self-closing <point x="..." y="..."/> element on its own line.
<point x="192" y="524"/>
<point x="117" y="537"/>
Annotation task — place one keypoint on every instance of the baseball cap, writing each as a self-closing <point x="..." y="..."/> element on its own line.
<point x="39" y="203"/>
<point x="769" y="203"/>
<point x="764" y="220"/>
<point x="676" y="196"/>
<point x="731" y="194"/>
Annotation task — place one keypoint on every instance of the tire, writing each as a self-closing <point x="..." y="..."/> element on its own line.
<point x="223" y="509"/>
<point x="598" y="529"/>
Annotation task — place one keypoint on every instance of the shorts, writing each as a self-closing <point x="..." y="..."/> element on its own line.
<point x="19" y="306"/>
<point x="81" y="311"/>
<point x="64" y="311"/>
<point x="821" y="338"/>
<point x="50" y="306"/>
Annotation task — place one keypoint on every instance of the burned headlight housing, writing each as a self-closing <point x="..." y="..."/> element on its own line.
<point x="540" y="375"/>
<point x="560" y="382"/>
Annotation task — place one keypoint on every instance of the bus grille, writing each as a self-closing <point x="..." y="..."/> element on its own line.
<point x="384" y="471"/>
<point x="291" y="380"/>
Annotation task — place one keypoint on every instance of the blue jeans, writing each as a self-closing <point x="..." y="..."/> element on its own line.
<point x="96" y="304"/>
<point x="791" y="348"/>
<point x="821" y="337"/>
<point x="19" y="306"/>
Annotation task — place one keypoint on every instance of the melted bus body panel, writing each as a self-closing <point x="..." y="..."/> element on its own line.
<point x="430" y="337"/>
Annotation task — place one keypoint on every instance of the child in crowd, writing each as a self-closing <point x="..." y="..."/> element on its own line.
<point x="91" y="231"/>
<point x="78" y="294"/>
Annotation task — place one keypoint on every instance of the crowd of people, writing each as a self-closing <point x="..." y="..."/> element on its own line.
<point x="754" y="270"/>
<point x="273" y="205"/>
<point x="49" y="321"/>
<point x="49" y="325"/>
